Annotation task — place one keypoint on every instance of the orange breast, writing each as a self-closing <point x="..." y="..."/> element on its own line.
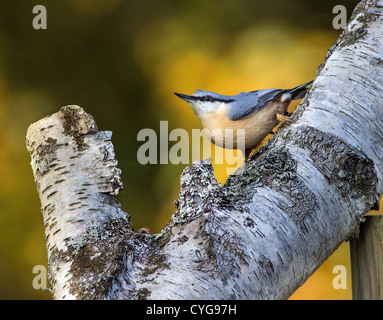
<point x="223" y="132"/>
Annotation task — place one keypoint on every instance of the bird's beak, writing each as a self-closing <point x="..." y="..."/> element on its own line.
<point x="185" y="97"/>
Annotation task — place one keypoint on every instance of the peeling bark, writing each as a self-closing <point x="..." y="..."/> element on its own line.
<point x="76" y="177"/>
<point x="259" y="236"/>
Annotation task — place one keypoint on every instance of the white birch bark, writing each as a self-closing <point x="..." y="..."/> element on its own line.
<point x="262" y="234"/>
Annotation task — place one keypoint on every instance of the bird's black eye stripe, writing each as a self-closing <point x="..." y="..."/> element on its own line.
<point x="207" y="98"/>
<point x="211" y="99"/>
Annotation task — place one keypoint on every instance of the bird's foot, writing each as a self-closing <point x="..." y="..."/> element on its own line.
<point x="282" y="118"/>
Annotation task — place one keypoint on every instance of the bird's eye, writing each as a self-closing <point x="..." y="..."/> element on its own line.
<point x="207" y="98"/>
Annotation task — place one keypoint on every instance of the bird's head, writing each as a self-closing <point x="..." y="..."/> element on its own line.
<point x="205" y="101"/>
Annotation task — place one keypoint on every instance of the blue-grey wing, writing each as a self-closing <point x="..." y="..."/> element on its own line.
<point x="247" y="103"/>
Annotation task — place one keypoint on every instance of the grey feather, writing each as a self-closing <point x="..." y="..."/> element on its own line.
<point x="246" y="103"/>
<point x="300" y="91"/>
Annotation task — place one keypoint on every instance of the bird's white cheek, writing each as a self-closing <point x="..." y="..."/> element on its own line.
<point x="206" y="110"/>
<point x="196" y="109"/>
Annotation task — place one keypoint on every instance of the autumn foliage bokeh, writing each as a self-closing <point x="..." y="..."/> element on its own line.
<point x="121" y="61"/>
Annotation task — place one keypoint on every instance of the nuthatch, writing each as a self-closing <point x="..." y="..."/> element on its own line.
<point x="258" y="112"/>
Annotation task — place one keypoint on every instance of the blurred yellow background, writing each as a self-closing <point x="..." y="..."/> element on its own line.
<point x="122" y="61"/>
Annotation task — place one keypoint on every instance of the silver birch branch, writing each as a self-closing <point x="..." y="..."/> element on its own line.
<point x="259" y="236"/>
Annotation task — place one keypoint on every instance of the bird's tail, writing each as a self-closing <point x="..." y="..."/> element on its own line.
<point x="300" y="91"/>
